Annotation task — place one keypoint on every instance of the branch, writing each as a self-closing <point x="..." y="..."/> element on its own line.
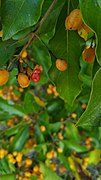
<point x="39" y="27"/>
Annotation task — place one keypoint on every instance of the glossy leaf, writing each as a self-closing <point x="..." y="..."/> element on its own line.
<point x="8" y="177"/>
<point x="18" y="15"/>
<point x="92" y="115"/>
<point x="6" y="51"/>
<point x="13" y="130"/>
<point x="91" y="12"/>
<point x="30" y="105"/>
<point x="48" y="29"/>
<point x="19" y="140"/>
<point x="66" y="45"/>
<point x="11" y="109"/>
<point x="48" y="173"/>
<point x="74" y="146"/>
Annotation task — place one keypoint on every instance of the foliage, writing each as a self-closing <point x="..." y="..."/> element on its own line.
<point x="50" y="113"/>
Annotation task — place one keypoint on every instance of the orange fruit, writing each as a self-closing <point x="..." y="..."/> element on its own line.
<point x="61" y="65"/>
<point x="88" y="55"/>
<point x="74" y="20"/>
<point x="23" y="80"/>
<point x="4" y="74"/>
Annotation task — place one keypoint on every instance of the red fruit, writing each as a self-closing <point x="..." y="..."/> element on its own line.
<point x="35" y="77"/>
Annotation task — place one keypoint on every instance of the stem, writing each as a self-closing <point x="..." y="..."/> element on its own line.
<point x="45" y="45"/>
<point x="40" y="25"/>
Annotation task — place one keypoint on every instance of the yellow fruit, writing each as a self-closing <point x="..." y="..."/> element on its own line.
<point x="23" y="80"/>
<point x="74" y="20"/>
<point x="36" y="168"/>
<point x="27" y="174"/>
<point x="88" y="55"/>
<point x="60" y="150"/>
<point x="84" y="106"/>
<point x="24" y="54"/>
<point x="49" y="91"/>
<point x="42" y="128"/>
<point x="61" y="65"/>
<point x="28" y="162"/>
<point x="73" y="115"/>
<point x="4" y="74"/>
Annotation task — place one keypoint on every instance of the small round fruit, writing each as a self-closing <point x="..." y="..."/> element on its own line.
<point x="74" y="20"/>
<point x="24" y="54"/>
<point x="4" y="74"/>
<point x="35" y="77"/>
<point x="23" y="80"/>
<point x="88" y="55"/>
<point x="61" y="65"/>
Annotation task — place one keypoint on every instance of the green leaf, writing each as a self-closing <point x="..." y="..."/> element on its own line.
<point x="13" y="130"/>
<point x="4" y="116"/>
<point x="92" y="115"/>
<point x="66" y="45"/>
<point x="30" y="104"/>
<point x="94" y="157"/>
<point x="8" y="177"/>
<point x="72" y="132"/>
<point x="20" y="140"/>
<point x="6" y="51"/>
<point x="18" y="15"/>
<point x="74" y="146"/>
<point x="41" y="55"/>
<point x="11" y="109"/>
<point x="91" y="12"/>
<point x="48" y="173"/>
<point x="48" y="29"/>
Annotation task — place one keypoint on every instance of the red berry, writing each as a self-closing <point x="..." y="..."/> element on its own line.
<point x="35" y="77"/>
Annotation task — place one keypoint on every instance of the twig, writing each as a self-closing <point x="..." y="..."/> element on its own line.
<point x="40" y="25"/>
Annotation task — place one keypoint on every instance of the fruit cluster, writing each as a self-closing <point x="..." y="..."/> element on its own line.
<point x="74" y="21"/>
<point x="52" y="90"/>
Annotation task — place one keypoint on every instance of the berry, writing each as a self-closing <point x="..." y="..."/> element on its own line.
<point x="88" y="55"/>
<point x="4" y="74"/>
<point x="74" y="20"/>
<point x="35" y="77"/>
<point x="23" y="80"/>
<point x="24" y="54"/>
<point x="61" y="65"/>
<point x="42" y="128"/>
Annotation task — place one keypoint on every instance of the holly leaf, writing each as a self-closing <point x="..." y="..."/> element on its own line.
<point x="92" y="115"/>
<point x="91" y="12"/>
<point x="18" y="15"/>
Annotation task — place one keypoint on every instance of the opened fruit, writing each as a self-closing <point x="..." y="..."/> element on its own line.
<point x="88" y="55"/>
<point x="23" y="80"/>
